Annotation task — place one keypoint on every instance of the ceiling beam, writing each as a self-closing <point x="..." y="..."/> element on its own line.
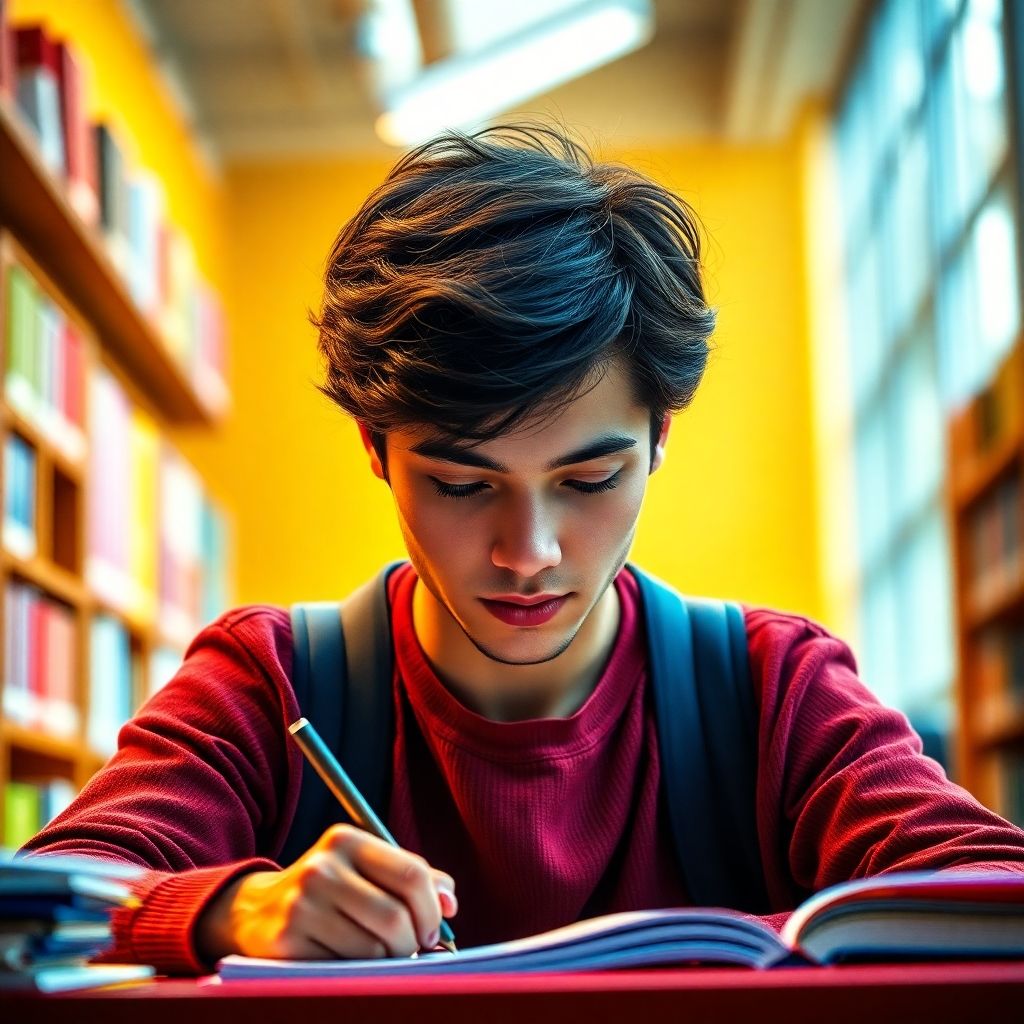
<point x="292" y="23"/>
<point x="782" y="51"/>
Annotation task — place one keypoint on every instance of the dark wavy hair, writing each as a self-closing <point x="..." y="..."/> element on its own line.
<point x="491" y="278"/>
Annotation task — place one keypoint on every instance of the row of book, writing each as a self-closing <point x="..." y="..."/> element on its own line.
<point x="995" y="537"/>
<point x="997" y="666"/>
<point x="127" y="205"/>
<point x="157" y="544"/>
<point x="45" y="364"/>
<point x="40" y="684"/>
<point x="29" y="804"/>
<point x="19" y="529"/>
<point x="40" y="687"/>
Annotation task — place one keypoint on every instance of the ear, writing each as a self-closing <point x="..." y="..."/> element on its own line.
<point x="659" y="448"/>
<point x="378" y="469"/>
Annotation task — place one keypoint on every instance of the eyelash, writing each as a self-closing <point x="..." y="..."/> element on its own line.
<point x="469" y="490"/>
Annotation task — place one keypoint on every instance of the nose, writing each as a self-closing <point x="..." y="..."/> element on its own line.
<point x="526" y="541"/>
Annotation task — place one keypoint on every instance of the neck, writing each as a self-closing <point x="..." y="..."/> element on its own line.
<point x="511" y="693"/>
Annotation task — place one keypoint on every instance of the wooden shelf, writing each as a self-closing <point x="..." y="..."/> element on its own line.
<point x="74" y="469"/>
<point x="984" y="482"/>
<point x="975" y="480"/>
<point x="51" y="578"/>
<point x="33" y="205"/>
<point x="54" y="748"/>
<point x="1008" y="603"/>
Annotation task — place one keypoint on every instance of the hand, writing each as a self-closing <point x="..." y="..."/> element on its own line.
<point x="351" y="895"/>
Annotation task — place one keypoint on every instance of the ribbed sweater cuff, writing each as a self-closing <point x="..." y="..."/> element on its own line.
<point x="160" y="931"/>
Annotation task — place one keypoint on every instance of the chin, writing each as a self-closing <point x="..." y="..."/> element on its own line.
<point x="525" y="650"/>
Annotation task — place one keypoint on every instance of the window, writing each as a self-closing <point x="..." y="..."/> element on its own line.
<point x="930" y="255"/>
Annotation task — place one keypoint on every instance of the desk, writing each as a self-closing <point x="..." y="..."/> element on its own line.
<point x="930" y="993"/>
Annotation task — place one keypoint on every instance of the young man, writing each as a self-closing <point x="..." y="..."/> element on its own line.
<point x="511" y="325"/>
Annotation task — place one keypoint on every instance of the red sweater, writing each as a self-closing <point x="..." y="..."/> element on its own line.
<point x="540" y="822"/>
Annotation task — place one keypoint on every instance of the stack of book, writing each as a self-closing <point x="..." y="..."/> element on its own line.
<point x="55" y="916"/>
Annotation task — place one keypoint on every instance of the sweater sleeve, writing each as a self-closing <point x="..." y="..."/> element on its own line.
<point x="202" y="788"/>
<point x="844" y="791"/>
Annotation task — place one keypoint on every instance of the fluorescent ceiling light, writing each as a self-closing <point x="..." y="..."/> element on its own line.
<point x="465" y="90"/>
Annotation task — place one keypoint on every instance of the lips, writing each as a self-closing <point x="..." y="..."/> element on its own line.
<point x="520" y="611"/>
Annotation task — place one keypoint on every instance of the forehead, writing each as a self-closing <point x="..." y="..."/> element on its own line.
<point x="607" y="408"/>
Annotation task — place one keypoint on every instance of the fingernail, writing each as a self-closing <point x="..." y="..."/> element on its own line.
<point x="449" y="904"/>
<point x="432" y="939"/>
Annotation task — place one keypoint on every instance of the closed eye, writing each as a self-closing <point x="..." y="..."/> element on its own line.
<point x="446" y="490"/>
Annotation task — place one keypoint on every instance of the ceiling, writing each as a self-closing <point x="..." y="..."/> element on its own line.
<point x="279" y="79"/>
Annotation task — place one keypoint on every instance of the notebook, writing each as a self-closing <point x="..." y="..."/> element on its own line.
<point x="897" y="916"/>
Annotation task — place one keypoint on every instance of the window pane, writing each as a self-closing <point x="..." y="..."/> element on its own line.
<point x="958" y="330"/>
<point x="979" y="87"/>
<point x="856" y="163"/>
<point x="909" y="253"/>
<point x="917" y="422"/>
<point x="865" y="327"/>
<point x="880" y="654"/>
<point x="937" y="15"/>
<point x="995" y="256"/>
<point x="895" y="48"/>
<point x="926" y="617"/>
<point x="873" y="515"/>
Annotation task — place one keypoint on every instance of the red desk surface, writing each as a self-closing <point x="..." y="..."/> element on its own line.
<point x="831" y="995"/>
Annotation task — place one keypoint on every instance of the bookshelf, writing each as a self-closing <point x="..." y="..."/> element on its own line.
<point x="112" y="553"/>
<point x="986" y="501"/>
<point x="33" y="207"/>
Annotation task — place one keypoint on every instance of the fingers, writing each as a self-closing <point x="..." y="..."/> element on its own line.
<point x="390" y="893"/>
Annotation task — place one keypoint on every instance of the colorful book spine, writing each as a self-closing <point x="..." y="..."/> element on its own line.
<point x="30" y="804"/>
<point x="38" y="78"/>
<point x="23" y="813"/>
<point x="144" y="442"/>
<point x="996" y="545"/>
<point x="145" y="219"/>
<point x="78" y="137"/>
<point x="44" y="372"/>
<point x="40" y="689"/>
<point x="164" y="662"/>
<point x="8" y="63"/>
<point x="180" y="547"/>
<point x="19" y="531"/>
<point x="113" y="194"/>
<point x="108" y="528"/>
<point x="111" y="670"/>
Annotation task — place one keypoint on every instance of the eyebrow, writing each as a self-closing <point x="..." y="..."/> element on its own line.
<point x="444" y="451"/>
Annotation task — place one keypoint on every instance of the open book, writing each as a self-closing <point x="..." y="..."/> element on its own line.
<point x="899" y="916"/>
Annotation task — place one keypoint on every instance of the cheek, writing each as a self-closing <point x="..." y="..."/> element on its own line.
<point x="435" y="527"/>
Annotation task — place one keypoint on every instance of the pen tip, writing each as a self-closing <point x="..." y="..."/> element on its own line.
<point x="448" y="944"/>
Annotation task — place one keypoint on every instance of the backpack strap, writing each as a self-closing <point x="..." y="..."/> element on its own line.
<point x="707" y="738"/>
<point x="341" y="675"/>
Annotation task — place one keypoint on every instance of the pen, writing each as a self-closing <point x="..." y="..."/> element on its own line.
<point x="327" y="767"/>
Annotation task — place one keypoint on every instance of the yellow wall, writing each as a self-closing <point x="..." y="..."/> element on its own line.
<point x="732" y="513"/>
